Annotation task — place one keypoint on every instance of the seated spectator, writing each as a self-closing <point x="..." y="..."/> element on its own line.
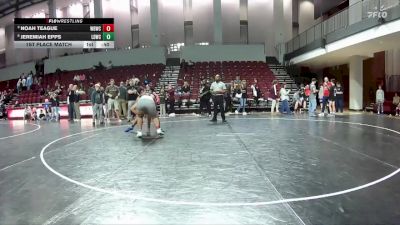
<point x="237" y="80"/>
<point x="82" y="77"/>
<point x="3" y="111"/>
<point x="77" y="78"/>
<point x="28" y="113"/>
<point x="184" y="93"/>
<point x="41" y="114"/>
<point x="16" y="105"/>
<point x="147" y="80"/>
<point x="99" y="66"/>
<point x="190" y="63"/>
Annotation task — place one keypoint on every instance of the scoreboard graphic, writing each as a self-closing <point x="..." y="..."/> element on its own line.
<point x="64" y="33"/>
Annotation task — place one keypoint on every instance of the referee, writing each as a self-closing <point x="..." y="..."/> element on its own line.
<point x="218" y="90"/>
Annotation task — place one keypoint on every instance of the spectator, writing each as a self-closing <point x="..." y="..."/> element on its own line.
<point x="171" y="100"/>
<point x="237" y="80"/>
<point x="28" y="113"/>
<point x="227" y="98"/>
<point x="299" y="99"/>
<point x="112" y="91"/>
<point x="380" y="99"/>
<point x="97" y="104"/>
<point x="332" y="96"/>
<point x="78" y="93"/>
<point x="91" y="89"/>
<point x="396" y="101"/>
<point x="19" y="85"/>
<point x="274" y="96"/>
<point x="163" y="96"/>
<point x="133" y="93"/>
<point x="55" y="107"/>
<point x="339" y="98"/>
<point x="325" y="99"/>
<point x="71" y="98"/>
<point x="23" y="83"/>
<point x="184" y="93"/>
<point x="29" y="81"/>
<point x="285" y="99"/>
<point x="398" y="110"/>
<point x="146" y="81"/>
<point x="122" y="99"/>
<point x="256" y="91"/>
<point x="205" y="96"/>
<point x="77" y="78"/>
<point x="82" y="77"/>
<point x="313" y="98"/>
<point x="241" y="94"/>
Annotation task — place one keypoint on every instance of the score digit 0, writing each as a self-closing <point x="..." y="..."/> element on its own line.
<point x="108" y="27"/>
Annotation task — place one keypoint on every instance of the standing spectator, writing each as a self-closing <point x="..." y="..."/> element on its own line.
<point x="313" y="98"/>
<point x="205" y="96"/>
<point x="321" y="95"/>
<point x="19" y="85"/>
<point x="78" y="94"/>
<point x="55" y="107"/>
<point x="256" y="91"/>
<point x="218" y="90"/>
<point x="285" y="99"/>
<point x="396" y="101"/>
<point x="339" y="98"/>
<point x="171" y="100"/>
<point x="91" y="89"/>
<point x="29" y="81"/>
<point x="71" y="102"/>
<point x="274" y="96"/>
<point x="97" y="104"/>
<point x="23" y="83"/>
<point x="332" y="96"/>
<point x="380" y="98"/>
<point x="228" y="99"/>
<point x="163" y="96"/>
<point x="133" y="94"/>
<point x="325" y="98"/>
<point x="242" y="96"/>
<point x="113" y="92"/>
<point x="122" y="99"/>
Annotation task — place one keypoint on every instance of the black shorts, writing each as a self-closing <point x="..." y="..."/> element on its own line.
<point x="332" y="98"/>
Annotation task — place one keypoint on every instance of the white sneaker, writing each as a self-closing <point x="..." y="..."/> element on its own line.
<point x="160" y="132"/>
<point x="321" y="114"/>
<point x="139" y="134"/>
<point x="236" y="112"/>
<point x="244" y="113"/>
<point x="172" y="115"/>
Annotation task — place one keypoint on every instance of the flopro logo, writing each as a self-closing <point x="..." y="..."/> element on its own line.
<point x="380" y="14"/>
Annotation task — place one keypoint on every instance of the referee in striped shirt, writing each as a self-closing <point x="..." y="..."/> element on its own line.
<point x="218" y="90"/>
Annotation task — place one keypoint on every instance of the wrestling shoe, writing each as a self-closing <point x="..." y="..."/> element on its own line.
<point x="129" y="129"/>
<point x="160" y="132"/>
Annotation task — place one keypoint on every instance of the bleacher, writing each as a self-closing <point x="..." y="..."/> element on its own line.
<point x="65" y="78"/>
<point x="247" y="70"/>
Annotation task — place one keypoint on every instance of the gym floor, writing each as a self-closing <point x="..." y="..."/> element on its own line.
<point x="259" y="169"/>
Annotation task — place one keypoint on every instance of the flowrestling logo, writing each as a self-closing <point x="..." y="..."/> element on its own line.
<point x="380" y="14"/>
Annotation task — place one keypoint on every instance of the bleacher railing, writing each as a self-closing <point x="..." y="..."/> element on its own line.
<point x="353" y="14"/>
